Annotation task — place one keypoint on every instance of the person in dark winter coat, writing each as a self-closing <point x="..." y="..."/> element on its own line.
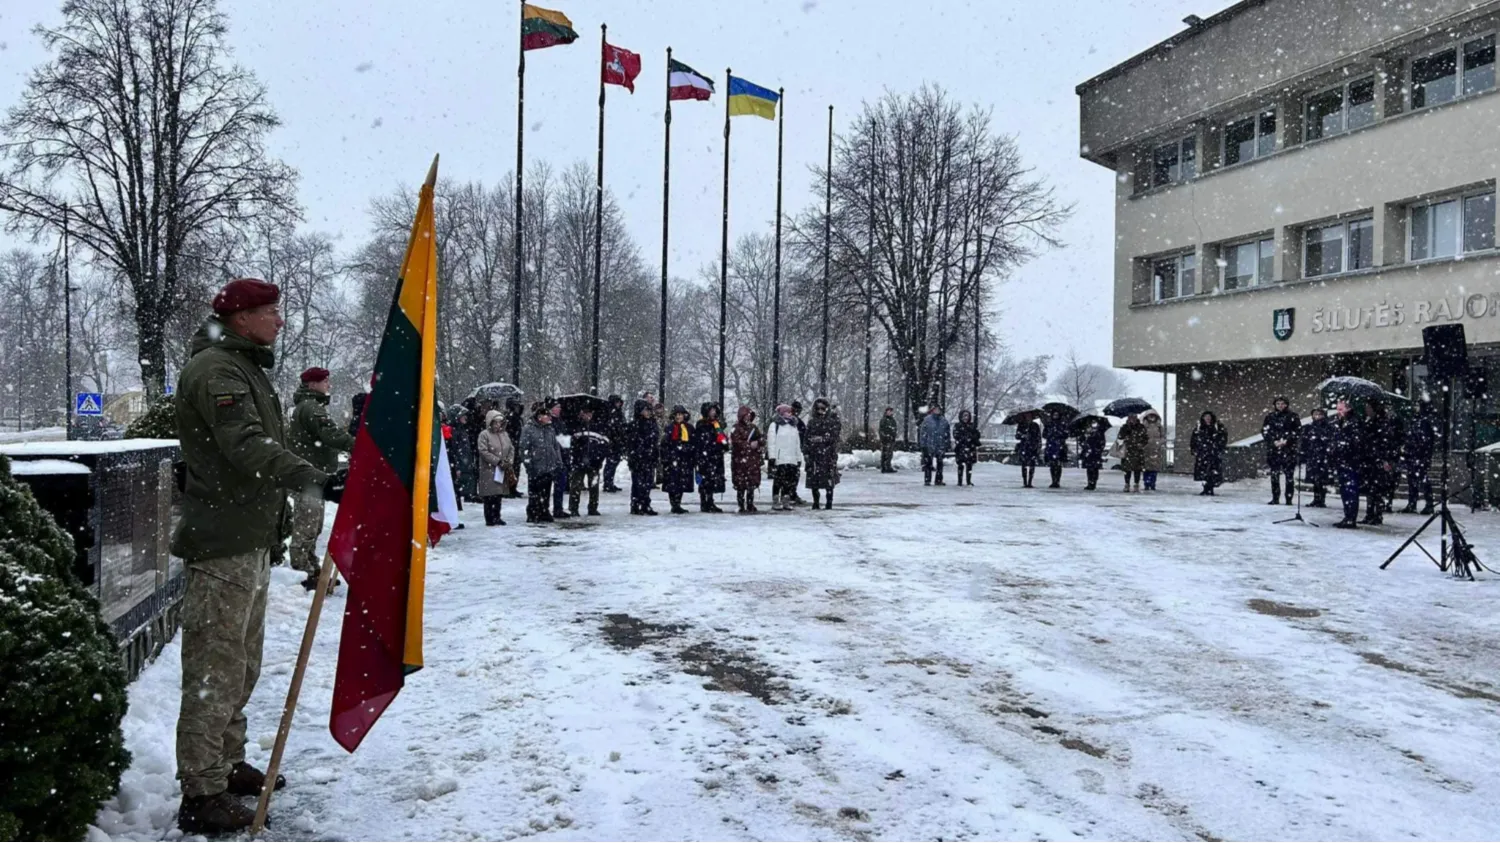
<point x="1315" y="451"/>
<point x="1208" y="443"/>
<point x="1349" y="459"/>
<point x="802" y="433"/>
<point x="1416" y="457"/>
<point x="1028" y="450"/>
<point x="1055" y="448"/>
<point x="642" y="456"/>
<point x="1383" y="454"/>
<point x="515" y="421"/>
<point x="679" y="459"/>
<point x="711" y="440"/>
<point x="935" y="436"/>
<point x="748" y="448"/>
<point x="822" y="448"/>
<point x="542" y="457"/>
<point x="1134" y="442"/>
<point x="966" y="447"/>
<point x="564" y="431"/>
<point x="613" y="426"/>
<point x="1091" y="448"/>
<point x="887" y="440"/>
<point x="463" y="449"/>
<point x="1281" y="432"/>
<point x="589" y="450"/>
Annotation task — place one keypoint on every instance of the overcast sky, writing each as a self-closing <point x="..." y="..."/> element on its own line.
<point x="368" y="90"/>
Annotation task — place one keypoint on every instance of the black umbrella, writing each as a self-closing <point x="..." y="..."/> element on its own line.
<point x="1059" y="410"/>
<point x="1081" y="425"/>
<point x="499" y="393"/>
<point x="1122" y="407"/>
<point x="573" y="405"/>
<point x="1022" y="417"/>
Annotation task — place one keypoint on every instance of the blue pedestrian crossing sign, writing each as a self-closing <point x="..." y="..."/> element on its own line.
<point x="89" y="404"/>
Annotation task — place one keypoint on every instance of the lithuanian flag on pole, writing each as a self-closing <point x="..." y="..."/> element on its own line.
<point x="379" y="539"/>
<point x="542" y="28"/>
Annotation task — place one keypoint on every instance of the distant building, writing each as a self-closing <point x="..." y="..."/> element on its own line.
<point x="1301" y="187"/>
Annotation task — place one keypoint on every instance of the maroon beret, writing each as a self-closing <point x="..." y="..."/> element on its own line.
<point x="315" y="374"/>
<point x="243" y="294"/>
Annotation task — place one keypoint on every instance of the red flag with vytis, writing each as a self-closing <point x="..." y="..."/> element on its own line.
<point x="621" y="67"/>
<point x="384" y="522"/>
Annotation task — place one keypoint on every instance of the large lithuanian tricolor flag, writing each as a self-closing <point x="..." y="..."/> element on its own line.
<point x="380" y="536"/>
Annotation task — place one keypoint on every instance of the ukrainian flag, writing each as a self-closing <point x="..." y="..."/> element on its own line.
<point x="750" y="98"/>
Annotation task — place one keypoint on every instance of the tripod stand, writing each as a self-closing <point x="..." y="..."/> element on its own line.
<point x="1297" y="516"/>
<point x="1454" y="552"/>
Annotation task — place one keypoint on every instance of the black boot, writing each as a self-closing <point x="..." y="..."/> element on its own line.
<point x="213" y="816"/>
<point x="829" y="504"/>
<point x="817" y="499"/>
<point x="704" y="504"/>
<point x="246" y="780"/>
<point x="676" y="501"/>
<point x="739" y="500"/>
<point x="750" y="501"/>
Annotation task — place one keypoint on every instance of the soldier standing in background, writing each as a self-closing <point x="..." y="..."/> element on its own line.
<point x="238" y="474"/>
<point x="313" y="435"/>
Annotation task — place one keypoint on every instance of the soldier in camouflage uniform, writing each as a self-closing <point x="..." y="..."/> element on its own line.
<point x="238" y="475"/>
<point x="314" y="436"/>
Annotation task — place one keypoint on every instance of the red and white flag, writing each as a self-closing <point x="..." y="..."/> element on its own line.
<point x="620" y="67"/>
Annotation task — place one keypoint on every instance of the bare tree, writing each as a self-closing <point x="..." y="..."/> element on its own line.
<point x="1083" y="384"/>
<point x="950" y="210"/>
<point x="142" y="127"/>
<point x="31" y="357"/>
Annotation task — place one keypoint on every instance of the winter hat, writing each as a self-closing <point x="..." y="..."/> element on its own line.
<point x="745" y="413"/>
<point x="314" y="374"/>
<point x="243" y="294"/>
<point x="491" y="416"/>
<point x="783" y="409"/>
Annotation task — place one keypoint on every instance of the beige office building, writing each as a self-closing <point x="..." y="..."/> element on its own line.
<point x="1301" y="186"/>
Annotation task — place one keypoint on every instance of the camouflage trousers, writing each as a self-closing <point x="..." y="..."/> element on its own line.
<point x="307" y="525"/>
<point x="223" y="630"/>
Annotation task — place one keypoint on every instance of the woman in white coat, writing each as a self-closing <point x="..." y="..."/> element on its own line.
<point x="784" y="454"/>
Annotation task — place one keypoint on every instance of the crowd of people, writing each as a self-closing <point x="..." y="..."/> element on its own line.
<point x="566" y="457"/>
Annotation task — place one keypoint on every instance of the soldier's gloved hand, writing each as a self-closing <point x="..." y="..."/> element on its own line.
<point x="333" y="487"/>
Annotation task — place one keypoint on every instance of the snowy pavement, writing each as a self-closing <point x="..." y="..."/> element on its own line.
<point x="946" y="663"/>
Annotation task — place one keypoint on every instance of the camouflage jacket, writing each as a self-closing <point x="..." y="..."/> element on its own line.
<point x="229" y="423"/>
<point x="312" y="434"/>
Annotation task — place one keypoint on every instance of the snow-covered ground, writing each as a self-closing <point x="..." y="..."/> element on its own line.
<point x="945" y="663"/>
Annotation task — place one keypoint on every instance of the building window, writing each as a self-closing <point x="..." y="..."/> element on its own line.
<point x="1340" y="247"/>
<point x="1174" y="277"/>
<point x="1249" y="264"/>
<point x="1250" y="138"/>
<point x="1340" y="109"/>
<point x="1174" y="162"/>
<point x="1435" y="78"/>
<point x="1452" y="227"/>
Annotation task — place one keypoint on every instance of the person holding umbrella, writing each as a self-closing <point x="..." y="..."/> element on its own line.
<point x="1208" y="443"/>
<point x="1156" y="449"/>
<point x="966" y="447"/>
<point x="1347" y="456"/>
<point x="1134" y="440"/>
<point x="1281" y="432"/>
<point x="1028" y="449"/>
<point x="1315" y="449"/>
<point x="1055" y="448"/>
<point x="1091" y="447"/>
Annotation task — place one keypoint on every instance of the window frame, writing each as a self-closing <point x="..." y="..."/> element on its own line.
<point x="1457" y="46"/>
<point x="1177" y="146"/>
<point x="1256" y="282"/>
<point x="1346" y="246"/>
<point x="1459" y="199"/>
<point x="1176" y="259"/>
<point x="1255" y="118"/>
<point x="1343" y="89"/>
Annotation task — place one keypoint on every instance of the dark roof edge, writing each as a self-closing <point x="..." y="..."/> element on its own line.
<point x="1168" y="44"/>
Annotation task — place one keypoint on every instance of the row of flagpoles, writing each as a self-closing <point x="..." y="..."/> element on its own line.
<point x="542" y="28"/>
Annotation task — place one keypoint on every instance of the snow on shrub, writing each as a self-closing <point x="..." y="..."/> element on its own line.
<point x="62" y="687"/>
<point x="158" y="422"/>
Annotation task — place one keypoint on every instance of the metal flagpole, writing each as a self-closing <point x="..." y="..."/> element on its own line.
<point x="598" y="219"/>
<point x="515" y="286"/>
<point x="827" y="253"/>
<point x="870" y="280"/>
<point x="724" y="243"/>
<point x="67" y="329"/>
<point x="978" y="317"/>
<point x="666" y="200"/>
<point x="776" y="296"/>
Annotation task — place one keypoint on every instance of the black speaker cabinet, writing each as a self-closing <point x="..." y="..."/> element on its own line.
<point x="1446" y="350"/>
